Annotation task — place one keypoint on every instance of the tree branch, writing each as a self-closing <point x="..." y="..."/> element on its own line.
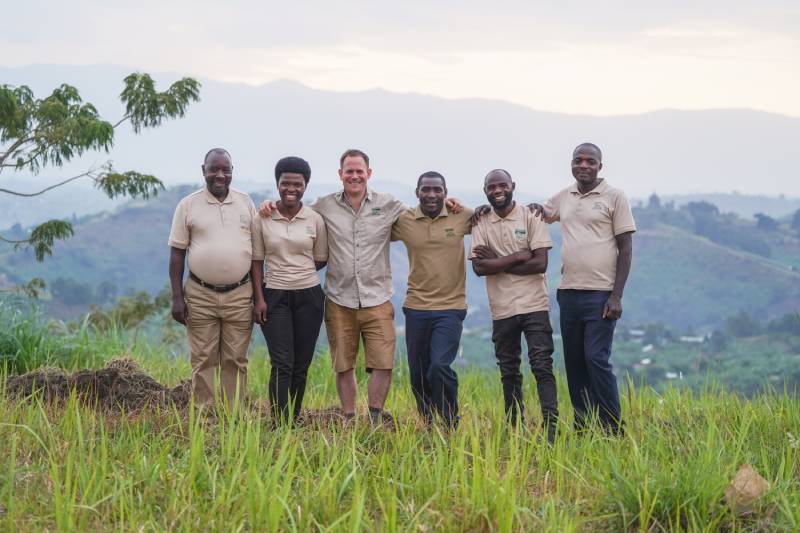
<point x="89" y="172"/>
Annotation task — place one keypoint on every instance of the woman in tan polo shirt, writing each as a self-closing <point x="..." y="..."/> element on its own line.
<point x="293" y="245"/>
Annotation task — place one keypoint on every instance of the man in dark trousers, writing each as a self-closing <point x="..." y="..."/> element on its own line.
<point x="596" y="227"/>
<point x="509" y="247"/>
<point x="436" y="302"/>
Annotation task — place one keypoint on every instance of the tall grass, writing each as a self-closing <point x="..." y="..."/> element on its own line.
<point x="70" y="468"/>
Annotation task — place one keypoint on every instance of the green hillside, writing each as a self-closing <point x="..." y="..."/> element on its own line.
<point x="693" y="266"/>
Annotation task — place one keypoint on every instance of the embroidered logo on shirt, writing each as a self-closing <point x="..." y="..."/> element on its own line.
<point x="310" y="230"/>
<point x="376" y="211"/>
<point x="599" y="206"/>
<point x="243" y="219"/>
<point x="520" y="234"/>
<point x="449" y="232"/>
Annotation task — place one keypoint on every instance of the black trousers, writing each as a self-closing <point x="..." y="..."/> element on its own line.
<point x="293" y="321"/>
<point x="587" y="338"/>
<point x="506" y="335"/>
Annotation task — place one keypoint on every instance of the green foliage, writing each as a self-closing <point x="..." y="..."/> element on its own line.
<point x="73" y="468"/>
<point x="45" y="235"/>
<point x="28" y="341"/>
<point x="147" y="108"/>
<point x="54" y="130"/>
<point x="129" y="183"/>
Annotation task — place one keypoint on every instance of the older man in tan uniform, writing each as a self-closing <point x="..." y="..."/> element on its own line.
<point x="213" y="229"/>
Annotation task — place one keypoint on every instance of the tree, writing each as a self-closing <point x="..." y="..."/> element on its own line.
<point x="796" y="220"/>
<point x="765" y="222"/>
<point x="37" y="133"/>
<point x="654" y="202"/>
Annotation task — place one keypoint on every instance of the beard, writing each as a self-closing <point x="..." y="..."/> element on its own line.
<point x="501" y="205"/>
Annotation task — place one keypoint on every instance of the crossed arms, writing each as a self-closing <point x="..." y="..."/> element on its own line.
<point x="522" y="263"/>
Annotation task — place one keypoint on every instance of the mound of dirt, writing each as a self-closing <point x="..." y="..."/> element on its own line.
<point x="121" y="384"/>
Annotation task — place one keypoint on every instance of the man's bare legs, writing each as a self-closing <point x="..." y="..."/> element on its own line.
<point x="346" y="387"/>
<point x="377" y="389"/>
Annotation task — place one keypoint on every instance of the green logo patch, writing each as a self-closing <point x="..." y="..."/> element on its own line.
<point x="376" y="211"/>
<point x="449" y="232"/>
<point x="520" y="234"/>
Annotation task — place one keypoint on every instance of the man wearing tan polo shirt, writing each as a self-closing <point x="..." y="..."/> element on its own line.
<point x="436" y="303"/>
<point x="596" y="227"/>
<point x="213" y="229"/>
<point x="509" y="247"/>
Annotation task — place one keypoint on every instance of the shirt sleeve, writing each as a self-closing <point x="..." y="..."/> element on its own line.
<point x="538" y="233"/>
<point x="257" y="235"/>
<point x="395" y="208"/>
<point x="179" y="234"/>
<point x="478" y="236"/>
<point x="553" y="207"/>
<point x="467" y="221"/>
<point x="320" y="249"/>
<point x="622" y="217"/>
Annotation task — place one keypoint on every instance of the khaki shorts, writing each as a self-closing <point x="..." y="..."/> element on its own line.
<point x="346" y="326"/>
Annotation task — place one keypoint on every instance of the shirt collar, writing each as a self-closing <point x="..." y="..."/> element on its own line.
<point x="600" y="189"/>
<point x="513" y="215"/>
<point x="210" y="198"/>
<point x="301" y="215"/>
<point x="419" y="214"/>
<point x="342" y="198"/>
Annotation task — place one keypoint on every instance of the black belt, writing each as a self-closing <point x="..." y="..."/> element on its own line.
<point x="220" y="288"/>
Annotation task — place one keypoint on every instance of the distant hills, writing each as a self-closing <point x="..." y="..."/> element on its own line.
<point x="681" y="276"/>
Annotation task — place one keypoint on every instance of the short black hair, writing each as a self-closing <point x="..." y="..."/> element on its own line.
<point x="293" y="165"/>
<point x="589" y="145"/>
<point x="217" y="151"/>
<point x="504" y="171"/>
<point x="431" y="174"/>
<point x="353" y="152"/>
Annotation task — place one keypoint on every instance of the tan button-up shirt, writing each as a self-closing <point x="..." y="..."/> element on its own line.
<point x="589" y="224"/>
<point x="510" y="294"/>
<point x="437" y="272"/>
<point x="291" y="248"/>
<point x="359" y="273"/>
<point x="217" y="236"/>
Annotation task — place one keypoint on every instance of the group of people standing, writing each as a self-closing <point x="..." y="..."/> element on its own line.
<point x="260" y="265"/>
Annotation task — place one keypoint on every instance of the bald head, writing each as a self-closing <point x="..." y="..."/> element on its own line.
<point x="217" y="151"/>
<point x="588" y="148"/>
<point x="499" y="172"/>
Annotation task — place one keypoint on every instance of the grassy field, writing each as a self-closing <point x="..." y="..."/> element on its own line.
<point x="73" y="468"/>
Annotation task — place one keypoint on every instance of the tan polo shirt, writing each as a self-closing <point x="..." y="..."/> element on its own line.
<point x="291" y="247"/>
<point x="589" y="224"/>
<point x="437" y="272"/>
<point x="217" y="236"/>
<point x="359" y="273"/>
<point x="510" y="294"/>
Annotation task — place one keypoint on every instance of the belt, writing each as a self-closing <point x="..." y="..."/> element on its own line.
<point x="220" y="288"/>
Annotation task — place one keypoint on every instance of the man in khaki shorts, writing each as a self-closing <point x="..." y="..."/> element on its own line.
<point x="213" y="228"/>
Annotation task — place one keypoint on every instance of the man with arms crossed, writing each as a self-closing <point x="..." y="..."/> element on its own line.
<point x="213" y="229"/>
<point x="597" y="227"/>
<point x="509" y="247"/>
<point x="436" y="302"/>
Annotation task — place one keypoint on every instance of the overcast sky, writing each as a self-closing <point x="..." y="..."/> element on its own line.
<point x="591" y="57"/>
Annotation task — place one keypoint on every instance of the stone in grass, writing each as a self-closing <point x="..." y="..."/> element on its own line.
<point x="747" y="486"/>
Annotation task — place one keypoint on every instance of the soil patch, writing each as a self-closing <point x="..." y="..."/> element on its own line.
<point x="121" y="384"/>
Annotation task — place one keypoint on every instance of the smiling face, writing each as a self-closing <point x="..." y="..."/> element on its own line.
<point x="354" y="175"/>
<point x="218" y="172"/>
<point x="586" y="163"/>
<point x="499" y="189"/>
<point x="431" y="193"/>
<point x="291" y="187"/>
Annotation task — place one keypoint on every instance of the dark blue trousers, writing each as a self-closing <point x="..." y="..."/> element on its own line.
<point x="587" y="338"/>
<point x="432" y="340"/>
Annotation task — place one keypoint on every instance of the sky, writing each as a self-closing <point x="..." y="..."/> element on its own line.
<point x="582" y="57"/>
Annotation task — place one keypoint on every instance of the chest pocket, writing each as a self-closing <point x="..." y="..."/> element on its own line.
<point x="519" y="237"/>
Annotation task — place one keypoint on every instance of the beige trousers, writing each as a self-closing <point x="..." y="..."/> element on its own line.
<point x="219" y="327"/>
